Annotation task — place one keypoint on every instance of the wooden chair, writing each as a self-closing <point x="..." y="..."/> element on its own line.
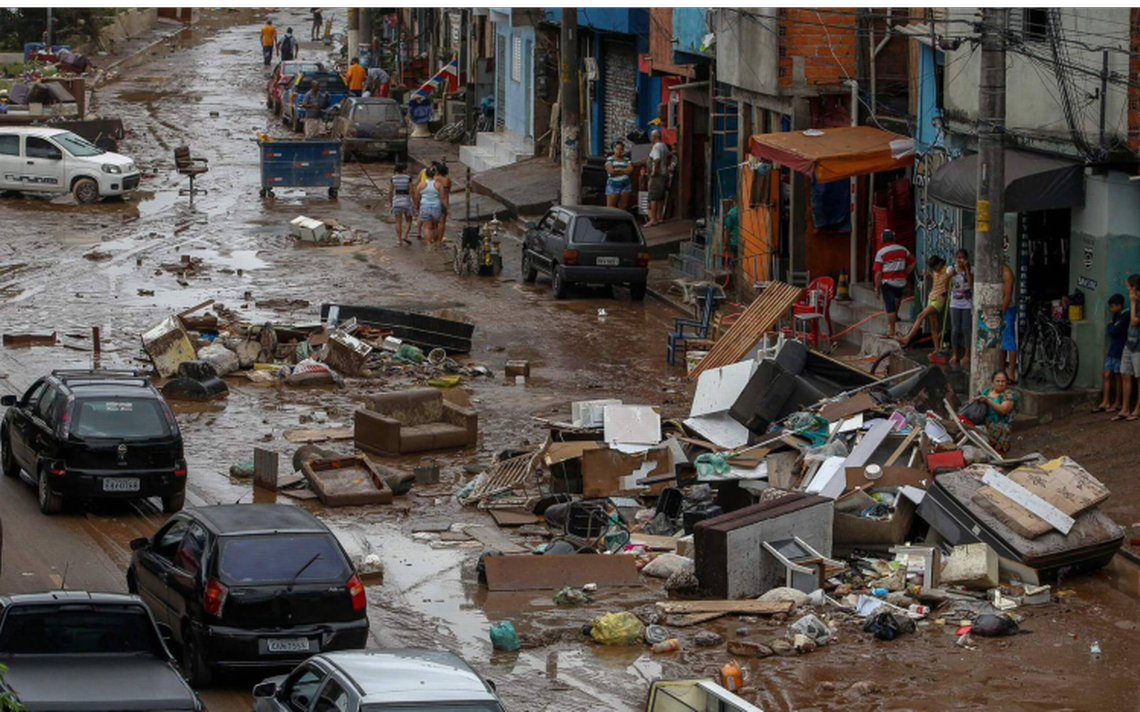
<point x="187" y="165"/>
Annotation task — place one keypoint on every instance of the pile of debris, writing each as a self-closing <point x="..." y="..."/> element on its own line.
<point x="325" y="233"/>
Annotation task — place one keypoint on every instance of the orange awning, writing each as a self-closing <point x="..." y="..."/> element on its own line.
<point x="835" y="153"/>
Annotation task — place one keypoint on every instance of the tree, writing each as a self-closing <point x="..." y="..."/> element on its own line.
<point x="8" y="701"/>
<point x="75" y="26"/>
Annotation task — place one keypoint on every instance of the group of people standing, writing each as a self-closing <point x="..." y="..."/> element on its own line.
<point x="619" y="176"/>
<point x="1122" y="362"/>
<point x="427" y="198"/>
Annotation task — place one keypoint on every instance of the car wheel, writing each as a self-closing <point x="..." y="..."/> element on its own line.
<point x="296" y="124"/>
<point x="558" y="283"/>
<point x="277" y="108"/>
<point x="132" y="582"/>
<point x="10" y="466"/>
<point x="174" y="503"/>
<point x="50" y="502"/>
<point x="194" y="666"/>
<point x="637" y="292"/>
<point x="530" y="272"/>
<point x="269" y="102"/>
<point x="86" y="191"/>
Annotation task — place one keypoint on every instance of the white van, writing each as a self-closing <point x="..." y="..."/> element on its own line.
<point x="47" y="160"/>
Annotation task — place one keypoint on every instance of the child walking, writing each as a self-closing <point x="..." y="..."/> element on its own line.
<point x="1117" y="334"/>
<point x="961" y="308"/>
<point x="400" y="203"/>
<point x="940" y="282"/>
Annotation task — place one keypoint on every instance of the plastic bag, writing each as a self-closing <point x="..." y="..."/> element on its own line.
<point x="666" y="565"/>
<point x="813" y="628"/>
<point x="888" y="626"/>
<point x="617" y="629"/>
<point x="504" y="637"/>
<point x="974" y="413"/>
<point x="571" y="595"/>
<point x="711" y="464"/>
<point x="409" y="353"/>
<point x="222" y="359"/>
<point x="989" y="625"/>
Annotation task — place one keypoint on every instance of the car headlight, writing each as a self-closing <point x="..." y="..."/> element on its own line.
<point x="111" y="168"/>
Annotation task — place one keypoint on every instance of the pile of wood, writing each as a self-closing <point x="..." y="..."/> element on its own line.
<point x="747" y="331"/>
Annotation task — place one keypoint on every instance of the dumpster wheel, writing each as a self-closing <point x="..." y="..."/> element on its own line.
<point x="266" y="193"/>
<point x="332" y="193"/>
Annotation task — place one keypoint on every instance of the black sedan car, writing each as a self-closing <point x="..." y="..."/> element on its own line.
<point x="94" y="434"/>
<point x="249" y="585"/>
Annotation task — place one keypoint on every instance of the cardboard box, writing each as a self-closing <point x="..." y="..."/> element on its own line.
<point x="308" y="229"/>
<point x="607" y="472"/>
<point x="851" y="532"/>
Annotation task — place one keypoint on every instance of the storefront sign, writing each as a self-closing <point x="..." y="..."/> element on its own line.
<point x="1086" y="283"/>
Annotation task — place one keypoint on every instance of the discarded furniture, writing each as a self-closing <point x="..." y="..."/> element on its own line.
<point x="191" y="166"/>
<point x="746" y="332"/>
<point x="527" y="572"/>
<point x="815" y="308"/>
<point x="423" y="330"/>
<point x="731" y="561"/>
<point x="168" y="346"/>
<point x="805" y="568"/>
<point x="312" y="163"/>
<point x="347" y="481"/>
<point x="685" y="328"/>
<point x="197" y="381"/>
<point x="503" y="477"/>
<point x="416" y="420"/>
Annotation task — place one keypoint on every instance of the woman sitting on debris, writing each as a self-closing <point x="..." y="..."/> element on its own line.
<point x="940" y="281"/>
<point x="1001" y="404"/>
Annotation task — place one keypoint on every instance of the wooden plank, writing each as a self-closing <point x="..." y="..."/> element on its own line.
<point x="869" y="444"/>
<point x="496" y="540"/>
<point x="265" y="469"/>
<point x="891" y="477"/>
<point x="742" y="607"/>
<point x="902" y="447"/>
<point x="513" y="517"/>
<point x="318" y="435"/>
<point x="1026" y="499"/>
<point x="691" y="619"/>
<point x="654" y="543"/>
<point x="846" y="408"/>
<point x="758" y="318"/>
<point x="529" y="572"/>
<point x="196" y="307"/>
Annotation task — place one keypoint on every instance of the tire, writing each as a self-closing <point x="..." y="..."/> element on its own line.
<point x="558" y="283"/>
<point x="10" y="466"/>
<point x="1066" y="364"/>
<point x="295" y="124"/>
<point x="277" y="108"/>
<point x="174" y="503"/>
<point x="333" y="193"/>
<point x="1027" y="353"/>
<point x="132" y="582"/>
<point x="86" y="191"/>
<point x="637" y="292"/>
<point x="50" y="502"/>
<point x="529" y="271"/>
<point x="269" y="103"/>
<point x="194" y="666"/>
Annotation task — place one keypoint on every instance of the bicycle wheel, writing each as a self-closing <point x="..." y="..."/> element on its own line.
<point x="1027" y="353"/>
<point x="1066" y="362"/>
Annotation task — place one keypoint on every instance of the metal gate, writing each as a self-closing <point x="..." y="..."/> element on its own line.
<point x="502" y="66"/>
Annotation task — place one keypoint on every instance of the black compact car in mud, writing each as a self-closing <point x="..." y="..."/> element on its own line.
<point x="94" y="435"/>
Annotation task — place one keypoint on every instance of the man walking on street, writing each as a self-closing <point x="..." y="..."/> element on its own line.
<point x="1009" y="332"/>
<point x="893" y="265"/>
<point x="318" y="22"/>
<point x="268" y="41"/>
<point x="658" y="174"/>
<point x="311" y="103"/>
<point x="355" y="77"/>
<point x="288" y="46"/>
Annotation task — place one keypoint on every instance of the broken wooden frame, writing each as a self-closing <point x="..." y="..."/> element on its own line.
<point x="503" y="477"/>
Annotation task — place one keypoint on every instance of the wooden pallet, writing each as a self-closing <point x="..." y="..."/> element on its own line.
<point x="750" y="327"/>
<point x="502" y="477"/>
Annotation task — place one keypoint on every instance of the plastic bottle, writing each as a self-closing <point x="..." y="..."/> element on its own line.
<point x="667" y="646"/>
<point x="731" y="677"/>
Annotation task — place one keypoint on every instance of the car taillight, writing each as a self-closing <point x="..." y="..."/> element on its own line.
<point x="169" y="415"/>
<point x="569" y="257"/>
<point x="356" y="590"/>
<point x="402" y="132"/>
<point x="215" y="597"/>
<point x="642" y="259"/>
<point x="352" y="131"/>
<point x="58" y="470"/>
<point x="180" y="468"/>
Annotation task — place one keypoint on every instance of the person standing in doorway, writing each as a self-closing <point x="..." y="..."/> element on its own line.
<point x="318" y="23"/>
<point x="1130" y="357"/>
<point x="268" y="41"/>
<point x="400" y="203"/>
<point x="1009" y="332"/>
<point x="961" y="308"/>
<point x="312" y="104"/>
<point x="1117" y="333"/>
<point x="619" y="185"/>
<point x="732" y="228"/>
<point x="355" y="77"/>
<point x="658" y="176"/>
<point x="288" y="46"/>
<point x="893" y="266"/>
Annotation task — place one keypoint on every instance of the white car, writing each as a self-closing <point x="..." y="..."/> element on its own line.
<point x="47" y="160"/>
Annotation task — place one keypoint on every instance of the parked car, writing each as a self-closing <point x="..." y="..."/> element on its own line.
<point x="580" y="244"/>
<point x="39" y="159"/>
<point x="697" y="694"/>
<point x="94" y="435"/>
<point x="374" y="680"/>
<point x="249" y="585"/>
<point x="88" y="652"/>
<point x="283" y="73"/>
<point x="332" y="87"/>
<point x="371" y="126"/>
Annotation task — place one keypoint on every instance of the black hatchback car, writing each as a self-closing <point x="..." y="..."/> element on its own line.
<point x="249" y="585"/>
<point x="581" y="244"/>
<point x="94" y="434"/>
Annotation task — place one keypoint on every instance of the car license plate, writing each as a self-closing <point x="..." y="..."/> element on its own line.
<point x="121" y="484"/>
<point x="609" y="261"/>
<point x="287" y="645"/>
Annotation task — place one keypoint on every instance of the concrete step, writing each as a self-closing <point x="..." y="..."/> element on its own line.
<point x="507" y="148"/>
<point x="848" y="313"/>
<point x="480" y="159"/>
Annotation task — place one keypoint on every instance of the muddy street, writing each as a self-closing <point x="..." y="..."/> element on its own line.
<point x="67" y="268"/>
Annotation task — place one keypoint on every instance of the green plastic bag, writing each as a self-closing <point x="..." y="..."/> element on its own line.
<point x="617" y="629"/>
<point x="409" y="353"/>
<point x="571" y="595"/>
<point x="504" y="637"/>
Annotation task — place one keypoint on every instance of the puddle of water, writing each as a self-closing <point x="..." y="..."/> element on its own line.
<point x="233" y="259"/>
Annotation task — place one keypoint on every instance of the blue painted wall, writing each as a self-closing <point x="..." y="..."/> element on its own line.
<point x="518" y="113"/>
<point x="690" y="25"/>
<point x="627" y="20"/>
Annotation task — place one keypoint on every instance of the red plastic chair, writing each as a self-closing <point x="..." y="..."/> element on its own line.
<point x="805" y="312"/>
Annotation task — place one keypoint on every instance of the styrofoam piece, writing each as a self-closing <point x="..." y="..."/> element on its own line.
<point x="830" y="479"/>
<point x="306" y="228"/>
<point x="718" y="388"/>
<point x="720" y="429"/>
<point x="591" y="413"/>
<point x="631" y="425"/>
<point x="1021" y="496"/>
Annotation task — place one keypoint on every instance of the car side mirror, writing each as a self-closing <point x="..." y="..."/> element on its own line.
<point x="530" y="224"/>
<point x="8" y="401"/>
<point x="265" y="689"/>
<point x="139" y="544"/>
<point x="491" y="684"/>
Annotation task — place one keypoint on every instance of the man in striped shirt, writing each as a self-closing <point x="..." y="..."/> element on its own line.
<point x="893" y="266"/>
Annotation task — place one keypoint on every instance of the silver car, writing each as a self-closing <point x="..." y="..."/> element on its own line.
<point x="404" y="680"/>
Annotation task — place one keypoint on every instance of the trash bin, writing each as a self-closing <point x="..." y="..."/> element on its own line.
<point x="301" y="164"/>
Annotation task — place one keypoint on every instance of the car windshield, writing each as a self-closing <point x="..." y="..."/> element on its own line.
<point x="125" y="418"/>
<point x="77" y="145"/>
<point x="291" y="68"/>
<point x="277" y="558"/>
<point x="609" y="230"/>
<point x="78" y="630"/>
<point x="435" y="707"/>
<point x="376" y="113"/>
<point x="329" y="84"/>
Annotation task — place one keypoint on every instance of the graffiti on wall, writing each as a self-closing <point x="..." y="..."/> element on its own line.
<point x="938" y="227"/>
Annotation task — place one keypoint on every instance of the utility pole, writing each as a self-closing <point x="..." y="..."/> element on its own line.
<point x="989" y="224"/>
<point x="49" y="30"/>
<point x="571" y="115"/>
<point x="352" y="36"/>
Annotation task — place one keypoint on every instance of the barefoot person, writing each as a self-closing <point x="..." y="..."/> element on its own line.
<point x="1117" y="332"/>
<point x="1009" y="332"/>
<point x="431" y="208"/>
<point x="961" y="308"/>
<point x="1001" y="404"/>
<point x="1130" y="357"/>
<point x="400" y="203"/>
<point x="893" y="265"/>
<point x="940" y="282"/>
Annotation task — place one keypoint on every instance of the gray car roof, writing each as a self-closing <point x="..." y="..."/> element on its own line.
<point x="228" y="519"/>
<point x="31" y="599"/>
<point x="595" y="211"/>
<point x="411" y="675"/>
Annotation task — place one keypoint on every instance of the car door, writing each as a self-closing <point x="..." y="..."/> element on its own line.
<point x="156" y="565"/>
<point x="536" y="240"/>
<point x="186" y="574"/>
<point x="22" y="428"/>
<point x="556" y="236"/>
<point x="9" y="161"/>
<point x="42" y="434"/>
<point x="335" y="696"/>
<point x="44" y="167"/>
<point x="300" y="689"/>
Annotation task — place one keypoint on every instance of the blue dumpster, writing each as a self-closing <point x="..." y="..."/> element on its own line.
<point x="300" y="164"/>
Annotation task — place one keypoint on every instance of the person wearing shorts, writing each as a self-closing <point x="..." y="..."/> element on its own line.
<point x="1130" y="357"/>
<point x="1009" y="330"/>
<point x="658" y="175"/>
<point x="619" y="184"/>
<point x="431" y="207"/>
<point x="400" y="203"/>
<point x="893" y="266"/>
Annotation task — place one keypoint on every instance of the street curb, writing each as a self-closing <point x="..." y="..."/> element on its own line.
<point x="143" y="50"/>
<point x="668" y="302"/>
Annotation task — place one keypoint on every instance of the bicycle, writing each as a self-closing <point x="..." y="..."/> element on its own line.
<point x="1048" y="346"/>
